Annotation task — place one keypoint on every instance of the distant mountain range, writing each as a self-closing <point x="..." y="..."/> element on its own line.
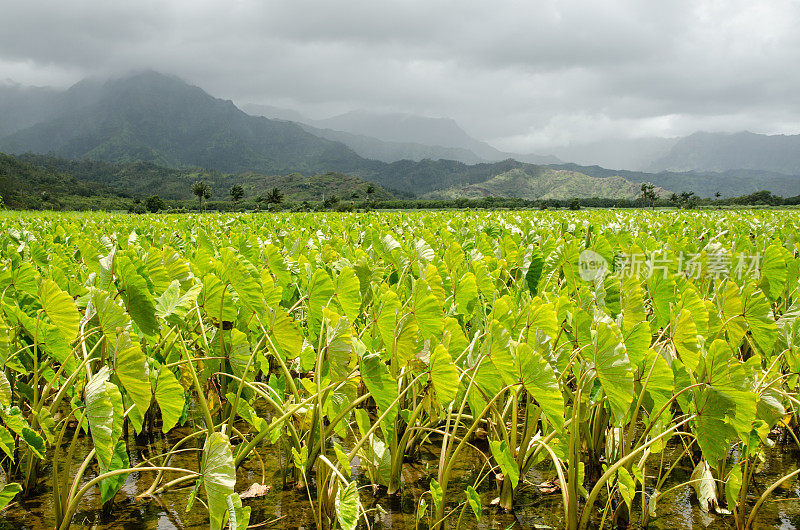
<point x="161" y="120"/>
<point x="633" y="154"/>
<point x="36" y="181"/>
<point x="731" y="183"/>
<point x="390" y="137"/>
<point x="542" y="182"/>
<point x="704" y="151"/>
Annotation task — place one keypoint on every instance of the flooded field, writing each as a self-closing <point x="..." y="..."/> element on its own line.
<point x="400" y="370"/>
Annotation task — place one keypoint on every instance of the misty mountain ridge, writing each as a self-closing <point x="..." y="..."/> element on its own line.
<point x="714" y="151"/>
<point x="160" y="119"/>
<point x="541" y="182"/>
<point x="391" y="137"/>
<point x="632" y="154"/>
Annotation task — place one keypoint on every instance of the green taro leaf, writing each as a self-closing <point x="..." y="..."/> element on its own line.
<point x="474" y="501"/>
<point x="111" y="485"/>
<point x="173" y="306"/>
<point x="504" y="458"/>
<point x="444" y="375"/>
<point x="320" y="293"/>
<point x="541" y="383"/>
<point x="379" y="383"/>
<point x="286" y="334"/>
<point x="170" y="398"/>
<point x="217" y="301"/>
<point x="534" y="273"/>
<point x="398" y="330"/>
<point x="7" y="443"/>
<point x="103" y="404"/>
<point x="112" y="316"/>
<point x="424" y="250"/>
<point x="236" y="271"/>
<point x="338" y="344"/>
<point x="219" y="477"/>
<point x="684" y="337"/>
<point x="277" y="265"/>
<point x="136" y="296"/>
<point x="427" y="311"/>
<point x="239" y="356"/>
<point x="35" y="442"/>
<point x="732" y="312"/>
<point x="773" y="272"/>
<point x="627" y="487"/>
<point x="614" y="370"/>
<point x="60" y="309"/>
<point x="8" y="493"/>
<point x="711" y="428"/>
<point x="347" y="506"/>
<point x="436" y="492"/>
<point x="130" y="366"/>
<point x="466" y="293"/>
<point x="348" y="293"/>
<point x="5" y="390"/>
<point x="637" y="342"/>
<point x="660" y="379"/>
<point x="759" y="318"/>
<point x="662" y="293"/>
<point x="238" y="517"/>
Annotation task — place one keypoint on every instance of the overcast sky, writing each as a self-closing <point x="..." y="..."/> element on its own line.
<point x="522" y="75"/>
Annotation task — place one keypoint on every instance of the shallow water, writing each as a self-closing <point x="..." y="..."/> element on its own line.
<point x="289" y="509"/>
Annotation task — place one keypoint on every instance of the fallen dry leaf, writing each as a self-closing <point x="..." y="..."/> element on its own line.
<point x="548" y="486"/>
<point x="255" y="490"/>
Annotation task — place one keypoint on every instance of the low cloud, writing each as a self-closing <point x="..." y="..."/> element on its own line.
<point x="522" y="75"/>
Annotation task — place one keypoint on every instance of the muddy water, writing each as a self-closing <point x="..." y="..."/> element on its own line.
<point x="287" y="509"/>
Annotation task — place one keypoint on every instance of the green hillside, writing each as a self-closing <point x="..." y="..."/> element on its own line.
<point x="152" y="133"/>
<point x="731" y="183"/>
<point x="28" y="186"/>
<point x="41" y="181"/>
<point x="320" y="187"/>
<point x="150" y="117"/>
<point x="539" y="182"/>
<point x="704" y="151"/>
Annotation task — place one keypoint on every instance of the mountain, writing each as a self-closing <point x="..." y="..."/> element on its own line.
<point x="298" y="187"/>
<point x="149" y="122"/>
<point x="160" y="119"/>
<point x="705" y="151"/>
<point x="731" y="183"/>
<point x="274" y="113"/>
<point x="372" y="148"/>
<point x="405" y="128"/>
<point x="411" y="128"/>
<point x="68" y="183"/>
<point x="448" y="178"/>
<point x="539" y="182"/>
<point x="22" y="106"/>
<point x="390" y="137"/>
<point x="636" y="154"/>
<point x="27" y="185"/>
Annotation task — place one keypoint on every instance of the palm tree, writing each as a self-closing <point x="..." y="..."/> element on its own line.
<point x="274" y="196"/>
<point x="237" y="192"/>
<point x="648" y="193"/>
<point x="201" y="190"/>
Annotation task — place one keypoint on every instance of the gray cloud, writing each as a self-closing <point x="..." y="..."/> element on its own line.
<point x="524" y="75"/>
